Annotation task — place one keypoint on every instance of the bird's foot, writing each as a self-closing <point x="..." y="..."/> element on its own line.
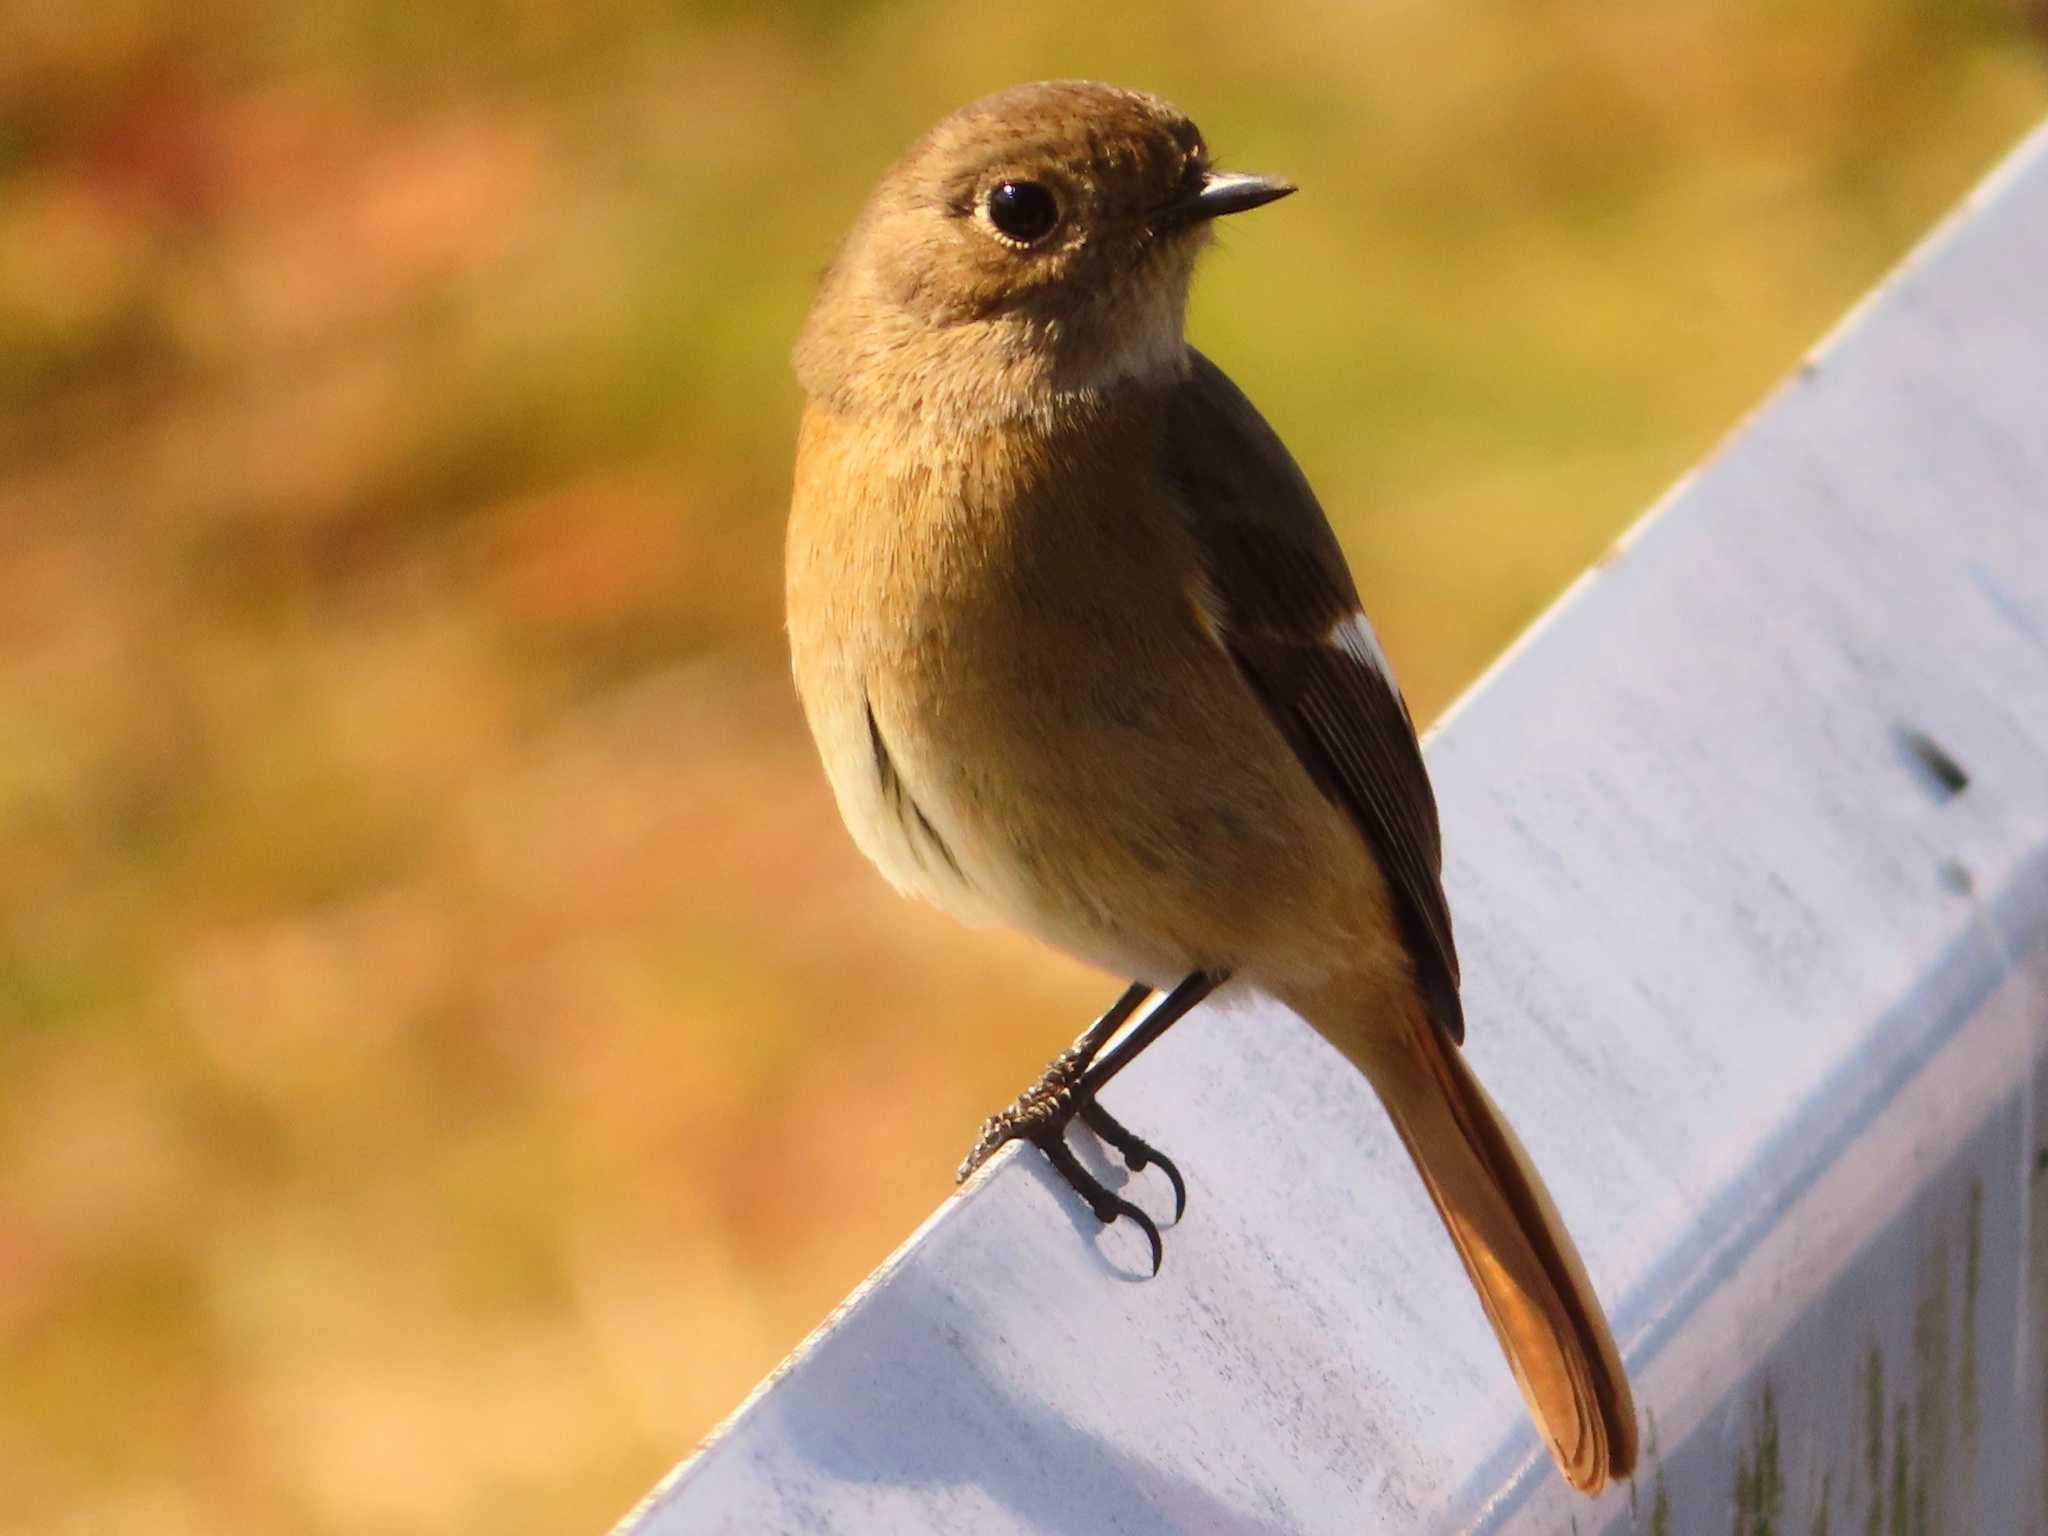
<point x="1047" y="1103"/>
<point x="1040" y="1116"/>
<point x="1139" y="1154"/>
<point x="1105" y="1202"/>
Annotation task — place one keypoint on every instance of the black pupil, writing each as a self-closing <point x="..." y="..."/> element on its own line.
<point x="1023" y="210"/>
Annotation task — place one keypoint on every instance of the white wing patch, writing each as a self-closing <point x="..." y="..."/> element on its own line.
<point x="1208" y="609"/>
<point x="1354" y="635"/>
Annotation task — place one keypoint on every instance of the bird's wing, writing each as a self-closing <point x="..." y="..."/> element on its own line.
<point x="1284" y="607"/>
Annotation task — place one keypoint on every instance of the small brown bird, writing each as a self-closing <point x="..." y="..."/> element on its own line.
<point x="1082" y="655"/>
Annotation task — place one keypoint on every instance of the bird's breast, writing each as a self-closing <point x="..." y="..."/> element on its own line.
<point x="1020" y="709"/>
<point x="892" y="601"/>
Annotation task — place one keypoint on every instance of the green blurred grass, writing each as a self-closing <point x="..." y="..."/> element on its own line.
<point x="450" y="1049"/>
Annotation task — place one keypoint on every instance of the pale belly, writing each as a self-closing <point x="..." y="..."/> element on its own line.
<point x="1145" y="819"/>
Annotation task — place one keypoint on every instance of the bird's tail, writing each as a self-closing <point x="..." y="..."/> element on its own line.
<point x="1529" y="1277"/>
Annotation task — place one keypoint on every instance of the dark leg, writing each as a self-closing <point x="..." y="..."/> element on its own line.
<point x="1068" y="1088"/>
<point x="1048" y="1096"/>
<point x="1180" y="1001"/>
<point x="1140" y="1154"/>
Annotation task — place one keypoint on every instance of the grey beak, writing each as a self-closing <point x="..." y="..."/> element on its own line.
<point x="1222" y="192"/>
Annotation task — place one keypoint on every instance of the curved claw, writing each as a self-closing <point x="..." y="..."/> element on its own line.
<point x="1122" y="1207"/>
<point x="1138" y="1153"/>
<point x="1180" y="1187"/>
<point x="1105" y="1203"/>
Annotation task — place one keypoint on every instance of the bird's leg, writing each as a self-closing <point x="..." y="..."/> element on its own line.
<point x="1068" y="1088"/>
<point x="1049" y="1098"/>
<point x="1180" y="1001"/>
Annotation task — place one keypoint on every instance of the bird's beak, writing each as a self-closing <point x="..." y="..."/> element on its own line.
<point x="1223" y="192"/>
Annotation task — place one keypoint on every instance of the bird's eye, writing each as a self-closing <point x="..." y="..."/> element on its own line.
<point x="1022" y="211"/>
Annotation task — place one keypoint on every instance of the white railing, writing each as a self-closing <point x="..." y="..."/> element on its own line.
<point x="1748" y="846"/>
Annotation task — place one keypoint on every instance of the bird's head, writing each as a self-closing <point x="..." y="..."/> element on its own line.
<point x="1039" y="242"/>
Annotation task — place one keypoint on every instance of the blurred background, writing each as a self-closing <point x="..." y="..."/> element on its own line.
<point x="448" y="1048"/>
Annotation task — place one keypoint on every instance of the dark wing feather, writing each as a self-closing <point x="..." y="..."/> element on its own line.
<point x="1281" y="582"/>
